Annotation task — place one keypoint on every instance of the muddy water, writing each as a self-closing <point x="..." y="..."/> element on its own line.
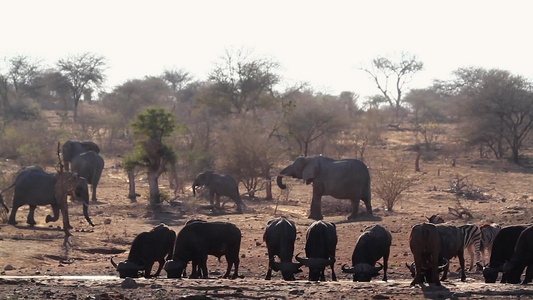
<point x="85" y="286"/>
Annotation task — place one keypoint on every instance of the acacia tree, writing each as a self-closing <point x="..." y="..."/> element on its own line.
<point x="17" y="80"/>
<point x="499" y="107"/>
<point x="391" y="76"/>
<point x="84" y="72"/>
<point x="151" y="152"/>
<point x="312" y="118"/>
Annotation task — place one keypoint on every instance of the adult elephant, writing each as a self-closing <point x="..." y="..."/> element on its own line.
<point x="89" y="165"/>
<point x="35" y="187"/>
<point x="71" y="149"/>
<point x="342" y="179"/>
<point x="219" y="185"/>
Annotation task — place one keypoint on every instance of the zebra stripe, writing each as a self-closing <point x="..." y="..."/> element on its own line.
<point x="472" y="241"/>
<point x="488" y="233"/>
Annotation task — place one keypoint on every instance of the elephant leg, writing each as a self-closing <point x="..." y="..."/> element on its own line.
<point x="211" y="197"/>
<point x="368" y="206"/>
<point x="12" y="217"/>
<point x="355" y="210"/>
<point x="239" y="203"/>
<point x="316" y="207"/>
<point x="93" y="188"/>
<point x="217" y="204"/>
<point x="30" y="220"/>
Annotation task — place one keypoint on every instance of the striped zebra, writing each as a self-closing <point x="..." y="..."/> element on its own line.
<point x="472" y="242"/>
<point x="471" y="238"/>
<point x="488" y="233"/>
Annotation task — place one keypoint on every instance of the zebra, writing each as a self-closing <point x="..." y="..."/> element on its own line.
<point x="488" y="233"/>
<point x="472" y="242"/>
<point x="471" y="238"/>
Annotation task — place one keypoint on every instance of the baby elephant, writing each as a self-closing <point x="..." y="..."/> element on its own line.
<point x="146" y="249"/>
<point x="219" y="185"/>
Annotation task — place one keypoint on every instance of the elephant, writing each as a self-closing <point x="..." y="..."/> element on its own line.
<point x="219" y="185"/>
<point x="89" y="165"/>
<point x="341" y="179"/>
<point x="71" y="149"/>
<point x="35" y="187"/>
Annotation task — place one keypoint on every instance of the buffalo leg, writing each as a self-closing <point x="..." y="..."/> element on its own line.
<point x="333" y="276"/>
<point x="529" y="274"/>
<point x="385" y="265"/>
<point x="316" y="207"/>
<point x="161" y="263"/>
<point x="269" y="273"/>
<point x="236" y="266"/>
<point x="30" y="220"/>
<point x="203" y="267"/>
<point x="462" y="263"/>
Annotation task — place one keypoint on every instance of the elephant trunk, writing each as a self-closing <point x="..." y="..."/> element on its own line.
<point x="86" y="212"/>
<point x="279" y="180"/>
<point x="288" y="171"/>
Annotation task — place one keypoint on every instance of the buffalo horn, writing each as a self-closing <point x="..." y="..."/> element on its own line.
<point x="446" y="263"/>
<point x="114" y="263"/>
<point x="347" y="270"/>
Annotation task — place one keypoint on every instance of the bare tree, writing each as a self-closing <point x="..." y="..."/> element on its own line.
<point x="391" y="75"/>
<point x="84" y="72"/>
<point x="242" y="83"/>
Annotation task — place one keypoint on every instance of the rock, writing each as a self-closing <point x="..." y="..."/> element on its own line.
<point x="129" y="283"/>
<point x="107" y="221"/>
<point x="9" y="268"/>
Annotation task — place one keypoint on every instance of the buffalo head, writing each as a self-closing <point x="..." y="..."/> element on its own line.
<point x="316" y="265"/>
<point x="363" y="272"/>
<point x="127" y="268"/>
<point x="175" y="268"/>
<point x="288" y="269"/>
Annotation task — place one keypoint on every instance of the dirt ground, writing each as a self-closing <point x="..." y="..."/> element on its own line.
<point x="35" y="265"/>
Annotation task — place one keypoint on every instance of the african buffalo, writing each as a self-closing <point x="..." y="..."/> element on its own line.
<point x="522" y="258"/>
<point x="279" y="237"/>
<point x="146" y="249"/>
<point x="197" y="240"/>
<point x="372" y="245"/>
<point x="425" y="245"/>
<point x="502" y="250"/>
<point x="320" y="246"/>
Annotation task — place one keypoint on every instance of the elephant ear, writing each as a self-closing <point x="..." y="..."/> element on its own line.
<point x="310" y="170"/>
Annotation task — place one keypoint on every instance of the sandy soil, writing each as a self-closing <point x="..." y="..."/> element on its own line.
<point x="34" y="265"/>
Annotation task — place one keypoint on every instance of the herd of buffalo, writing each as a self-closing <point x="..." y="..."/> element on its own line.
<point x="432" y="246"/>
<point x="432" y="243"/>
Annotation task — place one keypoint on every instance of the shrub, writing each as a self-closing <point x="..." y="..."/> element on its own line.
<point x="390" y="182"/>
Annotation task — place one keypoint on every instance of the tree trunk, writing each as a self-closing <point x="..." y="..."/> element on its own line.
<point x="155" y="197"/>
<point x="131" y="180"/>
<point x="417" y="161"/>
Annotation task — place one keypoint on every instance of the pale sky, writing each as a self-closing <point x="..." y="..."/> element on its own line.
<point x="320" y="42"/>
